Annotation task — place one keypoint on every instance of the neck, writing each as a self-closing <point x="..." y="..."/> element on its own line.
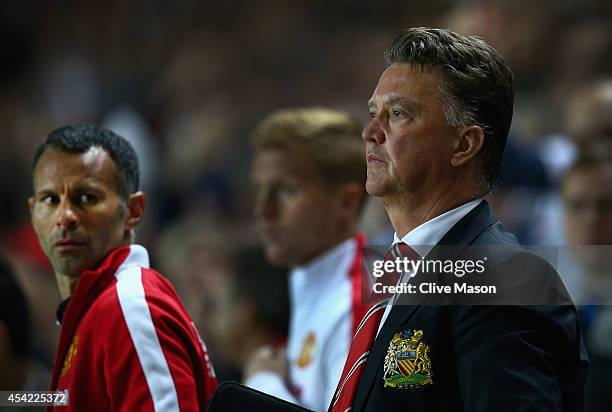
<point x="348" y="232"/>
<point x="409" y="211"/>
<point x="344" y="233"/>
<point x="66" y="284"/>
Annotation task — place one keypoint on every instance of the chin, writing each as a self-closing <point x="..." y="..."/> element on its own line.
<point x="375" y="189"/>
<point x="70" y="270"/>
<point x="276" y="256"/>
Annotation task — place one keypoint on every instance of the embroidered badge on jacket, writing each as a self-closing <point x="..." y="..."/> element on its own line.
<point x="72" y="351"/>
<point x="308" y="350"/>
<point x="406" y="363"/>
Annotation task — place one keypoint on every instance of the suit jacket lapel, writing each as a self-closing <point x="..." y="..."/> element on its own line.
<point x="398" y="315"/>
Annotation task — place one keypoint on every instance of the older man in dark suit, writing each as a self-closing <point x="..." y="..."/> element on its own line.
<point x="439" y="120"/>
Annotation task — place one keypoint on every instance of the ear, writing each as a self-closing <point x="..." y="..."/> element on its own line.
<point x="468" y="145"/>
<point x="135" y="210"/>
<point x="351" y="197"/>
<point x="30" y="204"/>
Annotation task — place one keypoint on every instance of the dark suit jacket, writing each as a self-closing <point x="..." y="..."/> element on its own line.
<point x="486" y="357"/>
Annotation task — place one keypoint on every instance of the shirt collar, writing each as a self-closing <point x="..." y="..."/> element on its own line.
<point x="61" y="309"/>
<point x="425" y="236"/>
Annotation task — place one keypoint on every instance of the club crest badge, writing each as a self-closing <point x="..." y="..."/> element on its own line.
<point x="407" y="365"/>
<point x="308" y="351"/>
<point x="70" y="355"/>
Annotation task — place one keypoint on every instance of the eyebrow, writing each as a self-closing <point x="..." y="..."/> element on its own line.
<point x="393" y="99"/>
<point x="85" y="185"/>
<point x="42" y="192"/>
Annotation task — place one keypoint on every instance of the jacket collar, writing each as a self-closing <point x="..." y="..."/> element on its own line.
<point x="88" y="288"/>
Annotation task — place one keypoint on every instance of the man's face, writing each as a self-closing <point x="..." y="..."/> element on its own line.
<point x="587" y="196"/>
<point x="408" y="141"/>
<point x="76" y="209"/>
<point x="296" y="213"/>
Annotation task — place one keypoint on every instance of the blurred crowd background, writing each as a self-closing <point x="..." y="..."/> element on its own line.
<point x="186" y="82"/>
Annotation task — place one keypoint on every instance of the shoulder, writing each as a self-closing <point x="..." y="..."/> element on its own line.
<point x="496" y="234"/>
<point x="139" y="292"/>
<point x="518" y="276"/>
<point x="503" y="250"/>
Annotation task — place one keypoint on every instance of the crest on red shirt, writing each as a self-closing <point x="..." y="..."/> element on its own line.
<point x="70" y="355"/>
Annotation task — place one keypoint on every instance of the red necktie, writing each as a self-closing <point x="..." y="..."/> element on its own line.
<point x="362" y="342"/>
<point x="358" y="354"/>
<point x="402" y="250"/>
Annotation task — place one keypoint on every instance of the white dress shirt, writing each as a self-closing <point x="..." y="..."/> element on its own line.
<point x="425" y="236"/>
<point x="320" y="329"/>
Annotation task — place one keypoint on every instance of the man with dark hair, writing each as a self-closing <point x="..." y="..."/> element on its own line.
<point x="80" y="138"/>
<point x="126" y="342"/>
<point x="309" y="174"/>
<point x="439" y="119"/>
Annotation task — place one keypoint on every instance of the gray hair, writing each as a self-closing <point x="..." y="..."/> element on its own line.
<point x="477" y="85"/>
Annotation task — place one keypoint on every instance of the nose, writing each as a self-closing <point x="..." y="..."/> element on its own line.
<point x="265" y="205"/>
<point x="373" y="132"/>
<point x="67" y="218"/>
